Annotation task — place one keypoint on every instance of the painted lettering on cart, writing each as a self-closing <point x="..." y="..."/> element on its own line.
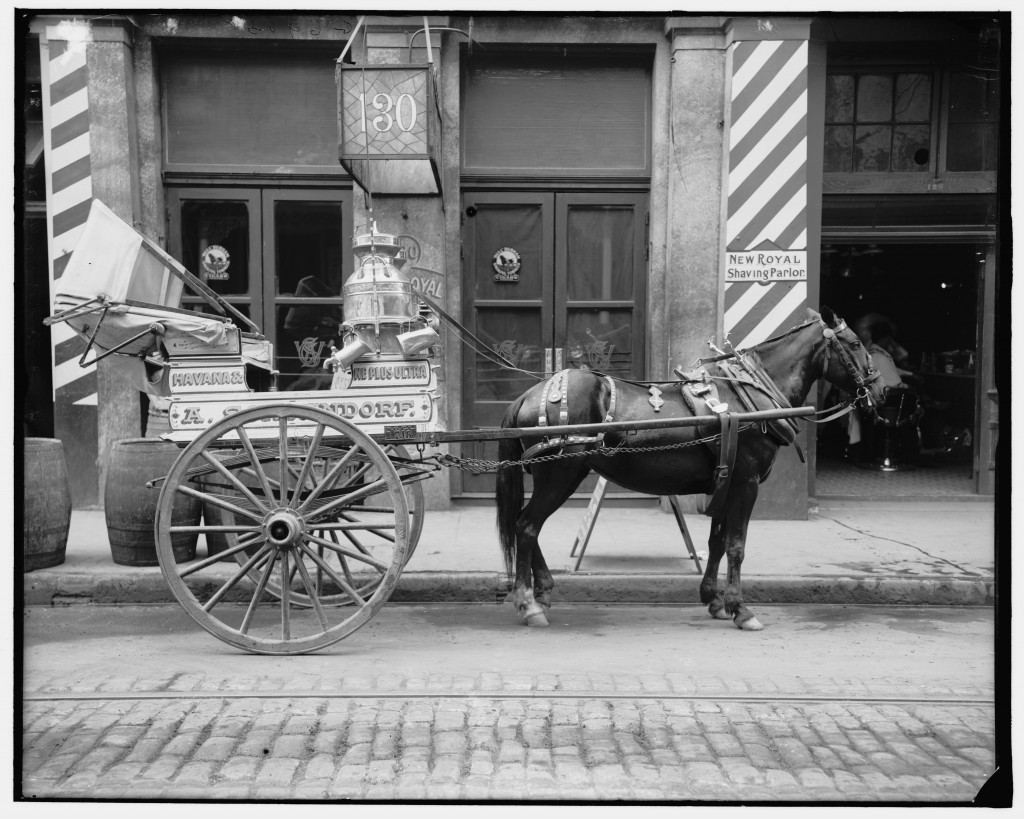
<point x="404" y="373"/>
<point x="207" y="378"/>
<point x="370" y="410"/>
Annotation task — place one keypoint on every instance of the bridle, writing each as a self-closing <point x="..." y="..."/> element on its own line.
<point x="863" y="382"/>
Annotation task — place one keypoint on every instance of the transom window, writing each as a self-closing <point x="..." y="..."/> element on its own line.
<point x="878" y="122"/>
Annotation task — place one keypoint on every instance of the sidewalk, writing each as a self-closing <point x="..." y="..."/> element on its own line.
<point x="853" y="552"/>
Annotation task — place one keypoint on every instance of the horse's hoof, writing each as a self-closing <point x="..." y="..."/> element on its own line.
<point x="720" y="613"/>
<point x="537" y="620"/>
<point x="750" y="624"/>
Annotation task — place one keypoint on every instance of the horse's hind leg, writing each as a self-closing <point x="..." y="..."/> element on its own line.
<point x="553" y="485"/>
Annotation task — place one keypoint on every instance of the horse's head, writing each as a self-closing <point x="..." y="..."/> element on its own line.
<point x="847" y="362"/>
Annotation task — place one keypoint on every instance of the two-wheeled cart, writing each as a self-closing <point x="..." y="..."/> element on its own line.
<point x="312" y="500"/>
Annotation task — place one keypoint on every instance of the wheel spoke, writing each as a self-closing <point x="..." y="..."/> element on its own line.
<point x="353" y="540"/>
<point x="339" y="549"/>
<point x="354" y="523"/>
<point x="231" y="551"/>
<point x="366" y="491"/>
<point x="254" y="459"/>
<point x="312" y="593"/>
<point x="241" y="487"/>
<point x="217" y="500"/>
<point x="282" y="455"/>
<point x="232" y="581"/>
<point x="341" y="558"/>
<point x="348" y="589"/>
<point x="374" y="529"/>
<point x="286" y="602"/>
<point x="307" y="462"/>
<point x="329" y="478"/>
<point x="255" y="601"/>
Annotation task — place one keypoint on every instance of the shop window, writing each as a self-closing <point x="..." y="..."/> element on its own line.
<point x="556" y="115"/>
<point x="973" y="112"/>
<point x="879" y="122"/>
<point x="248" y="110"/>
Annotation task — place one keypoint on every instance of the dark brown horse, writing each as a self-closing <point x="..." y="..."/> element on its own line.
<point x="823" y="347"/>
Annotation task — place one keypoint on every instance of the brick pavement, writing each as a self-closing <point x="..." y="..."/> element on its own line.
<point x="554" y="737"/>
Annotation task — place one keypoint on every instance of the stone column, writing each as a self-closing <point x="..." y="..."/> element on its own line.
<point x="694" y="159"/>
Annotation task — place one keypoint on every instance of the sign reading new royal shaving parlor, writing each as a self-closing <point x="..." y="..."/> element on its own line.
<point x="766" y="266"/>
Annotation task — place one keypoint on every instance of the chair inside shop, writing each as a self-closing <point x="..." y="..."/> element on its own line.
<point x="899" y="412"/>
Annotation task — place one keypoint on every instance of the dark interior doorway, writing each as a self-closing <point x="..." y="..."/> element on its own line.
<point x="929" y="292"/>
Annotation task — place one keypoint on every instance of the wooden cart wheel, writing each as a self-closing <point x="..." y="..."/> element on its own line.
<point x="411" y="475"/>
<point x="299" y="460"/>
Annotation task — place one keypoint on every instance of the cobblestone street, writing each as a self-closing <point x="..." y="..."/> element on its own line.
<point x="573" y="747"/>
<point x="430" y="706"/>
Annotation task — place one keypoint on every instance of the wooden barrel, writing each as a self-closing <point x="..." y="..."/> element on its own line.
<point x="47" y="514"/>
<point x="157" y="422"/>
<point x="130" y="507"/>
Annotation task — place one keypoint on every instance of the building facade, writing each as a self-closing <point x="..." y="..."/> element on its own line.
<point x="613" y="193"/>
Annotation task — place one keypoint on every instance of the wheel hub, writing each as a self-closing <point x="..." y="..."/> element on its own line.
<point x="283" y="528"/>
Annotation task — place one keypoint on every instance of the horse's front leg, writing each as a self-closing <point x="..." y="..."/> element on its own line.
<point x="522" y="591"/>
<point x="737" y="512"/>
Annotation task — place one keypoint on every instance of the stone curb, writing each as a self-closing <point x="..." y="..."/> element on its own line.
<point x="140" y="588"/>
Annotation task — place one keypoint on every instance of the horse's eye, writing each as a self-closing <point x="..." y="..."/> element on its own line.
<point x="855" y="345"/>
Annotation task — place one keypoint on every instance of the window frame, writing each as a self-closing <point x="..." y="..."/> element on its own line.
<point x="936" y="179"/>
<point x="187" y="172"/>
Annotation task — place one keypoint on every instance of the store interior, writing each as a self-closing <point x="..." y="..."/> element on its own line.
<point x="921" y="443"/>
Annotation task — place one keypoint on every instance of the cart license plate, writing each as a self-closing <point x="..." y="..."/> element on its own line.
<point x="403" y="432"/>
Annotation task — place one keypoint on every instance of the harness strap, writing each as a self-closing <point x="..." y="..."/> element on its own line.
<point x="722" y="476"/>
<point x="610" y="415"/>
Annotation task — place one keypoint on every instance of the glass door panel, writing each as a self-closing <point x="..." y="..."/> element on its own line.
<point x="508" y="247"/>
<point x="600" y="279"/>
<point x="308" y="258"/>
<point x="215" y="234"/>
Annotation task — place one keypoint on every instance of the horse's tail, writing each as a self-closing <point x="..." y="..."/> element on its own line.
<point x="508" y="495"/>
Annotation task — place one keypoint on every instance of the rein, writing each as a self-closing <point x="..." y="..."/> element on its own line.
<point x="833" y="342"/>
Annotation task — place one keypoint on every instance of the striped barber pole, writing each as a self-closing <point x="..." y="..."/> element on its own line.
<point x="69" y="194"/>
<point x="765" y="264"/>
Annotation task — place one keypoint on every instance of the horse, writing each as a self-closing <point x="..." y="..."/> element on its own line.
<point x="821" y="347"/>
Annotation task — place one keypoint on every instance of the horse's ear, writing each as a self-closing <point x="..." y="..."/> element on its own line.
<point x="828" y="316"/>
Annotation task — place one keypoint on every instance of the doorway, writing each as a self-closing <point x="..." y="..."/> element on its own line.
<point x="279" y="256"/>
<point x="933" y="297"/>
<point x="550" y="281"/>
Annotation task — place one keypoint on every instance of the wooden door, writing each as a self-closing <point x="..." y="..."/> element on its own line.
<point x="551" y="281"/>
<point x="280" y="256"/>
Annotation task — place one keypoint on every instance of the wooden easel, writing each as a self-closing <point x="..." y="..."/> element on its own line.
<point x="587" y="527"/>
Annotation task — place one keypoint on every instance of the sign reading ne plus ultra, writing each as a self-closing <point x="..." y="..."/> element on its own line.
<point x="391" y="374"/>
<point x="766" y="266"/>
